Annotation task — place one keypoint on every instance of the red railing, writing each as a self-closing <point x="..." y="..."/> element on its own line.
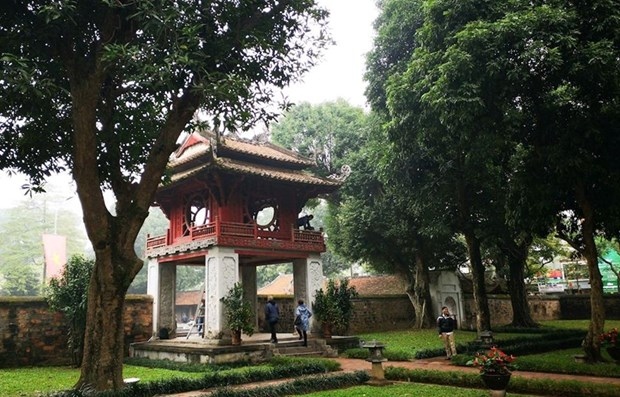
<point x="307" y="236"/>
<point x="236" y="229"/>
<point x="156" y="242"/>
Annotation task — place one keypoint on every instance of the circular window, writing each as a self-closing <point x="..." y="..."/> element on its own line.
<point x="197" y="211"/>
<point x="266" y="215"/>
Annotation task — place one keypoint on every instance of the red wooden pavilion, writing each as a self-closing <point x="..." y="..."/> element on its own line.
<point x="233" y="205"/>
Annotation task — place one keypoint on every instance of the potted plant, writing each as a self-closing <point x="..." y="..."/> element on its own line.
<point x="610" y="341"/>
<point x="495" y="369"/>
<point x="238" y="312"/>
<point x="333" y="307"/>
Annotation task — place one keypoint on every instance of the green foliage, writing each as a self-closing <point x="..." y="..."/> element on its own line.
<point x="400" y="389"/>
<point x="238" y="311"/>
<point x="494" y="361"/>
<point x="334" y="306"/>
<point x="24" y="280"/>
<point x="562" y="361"/>
<point x="114" y="85"/>
<point x="18" y="382"/>
<point x="334" y="265"/>
<point x="69" y="295"/>
<point x="326" y="133"/>
<point x="190" y="278"/>
<point x="543" y="386"/>
<point x="180" y="366"/>
<point x="391" y="355"/>
<point x="21" y="228"/>
<point x="277" y="369"/>
<point x="299" y="386"/>
<point x="266" y="274"/>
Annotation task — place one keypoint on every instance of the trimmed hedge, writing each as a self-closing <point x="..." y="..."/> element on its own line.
<point x="298" y="386"/>
<point x="548" y="340"/>
<point x="277" y="369"/>
<point x="391" y="355"/>
<point x="545" y="386"/>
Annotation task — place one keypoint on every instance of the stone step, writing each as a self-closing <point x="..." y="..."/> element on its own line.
<point x="297" y="349"/>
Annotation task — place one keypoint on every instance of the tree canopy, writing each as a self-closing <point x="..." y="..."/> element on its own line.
<point x="327" y="132"/>
<point x="105" y="88"/>
<point x="503" y="120"/>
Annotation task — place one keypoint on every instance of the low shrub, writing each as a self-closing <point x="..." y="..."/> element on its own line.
<point x="546" y="386"/>
<point x="277" y="369"/>
<point x="544" y="342"/>
<point x="181" y="366"/>
<point x="298" y="386"/>
<point x="391" y="355"/>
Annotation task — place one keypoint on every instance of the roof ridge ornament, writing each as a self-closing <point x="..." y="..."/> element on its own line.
<point x="341" y="176"/>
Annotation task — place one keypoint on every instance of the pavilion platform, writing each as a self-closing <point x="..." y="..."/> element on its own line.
<point x="255" y="348"/>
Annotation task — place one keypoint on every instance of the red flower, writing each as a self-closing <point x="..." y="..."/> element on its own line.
<point x="494" y="361"/>
<point x="609" y="338"/>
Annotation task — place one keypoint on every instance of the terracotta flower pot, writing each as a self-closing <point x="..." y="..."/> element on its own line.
<point x="236" y="337"/>
<point x="326" y="330"/>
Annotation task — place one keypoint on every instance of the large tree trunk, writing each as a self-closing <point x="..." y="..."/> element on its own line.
<point x="419" y="294"/>
<point x="592" y="343"/>
<point x="516" y="257"/>
<point x="116" y="264"/>
<point x="113" y="237"/>
<point x="104" y="341"/>
<point x="521" y="314"/>
<point x="483" y="317"/>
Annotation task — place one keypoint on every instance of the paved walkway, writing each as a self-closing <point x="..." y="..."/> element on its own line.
<point x="439" y="364"/>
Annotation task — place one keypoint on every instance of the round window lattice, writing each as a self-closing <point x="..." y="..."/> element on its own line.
<point x="266" y="215"/>
<point x="197" y="211"/>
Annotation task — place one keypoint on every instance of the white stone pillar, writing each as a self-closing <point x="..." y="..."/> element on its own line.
<point x="162" y="287"/>
<point x="152" y="289"/>
<point x="222" y="272"/>
<point x="307" y="279"/>
<point x="248" y="280"/>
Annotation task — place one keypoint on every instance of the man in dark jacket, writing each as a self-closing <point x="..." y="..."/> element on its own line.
<point x="446" y="324"/>
<point x="272" y="315"/>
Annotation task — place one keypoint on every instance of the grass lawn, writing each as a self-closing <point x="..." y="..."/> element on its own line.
<point x="37" y="380"/>
<point x="562" y="361"/>
<point x="406" y="390"/>
<point x="409" y="341"/>
<point x="23" y="382"/>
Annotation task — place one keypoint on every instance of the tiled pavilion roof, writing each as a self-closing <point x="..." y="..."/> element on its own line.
<point x="202" y="153"/>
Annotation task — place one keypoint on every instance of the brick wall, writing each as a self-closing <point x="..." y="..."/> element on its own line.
<point x="33" y="335"/>
<point x="576" y="307"/>
<point x="370" y="313"/>
<point x="381" y="313"/>
<point x="547" y="308"/>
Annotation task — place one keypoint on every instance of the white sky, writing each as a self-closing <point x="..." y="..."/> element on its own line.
<point x="339" y="74"/>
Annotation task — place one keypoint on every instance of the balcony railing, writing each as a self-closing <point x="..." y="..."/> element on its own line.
<point x="239" y="231"/>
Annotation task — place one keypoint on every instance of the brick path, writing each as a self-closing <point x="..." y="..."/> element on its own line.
<point x="441" y="364"/>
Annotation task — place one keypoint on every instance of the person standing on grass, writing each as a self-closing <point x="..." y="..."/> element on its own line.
<point x="272" y="315"/>
<point x="302" y="320"/>
<point x="446" y="324"/>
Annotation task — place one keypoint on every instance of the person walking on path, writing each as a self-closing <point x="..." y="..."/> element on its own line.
<point x="272" y="315"/>
<point x="302" y="320"/>
<point x="446" y="324"/>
